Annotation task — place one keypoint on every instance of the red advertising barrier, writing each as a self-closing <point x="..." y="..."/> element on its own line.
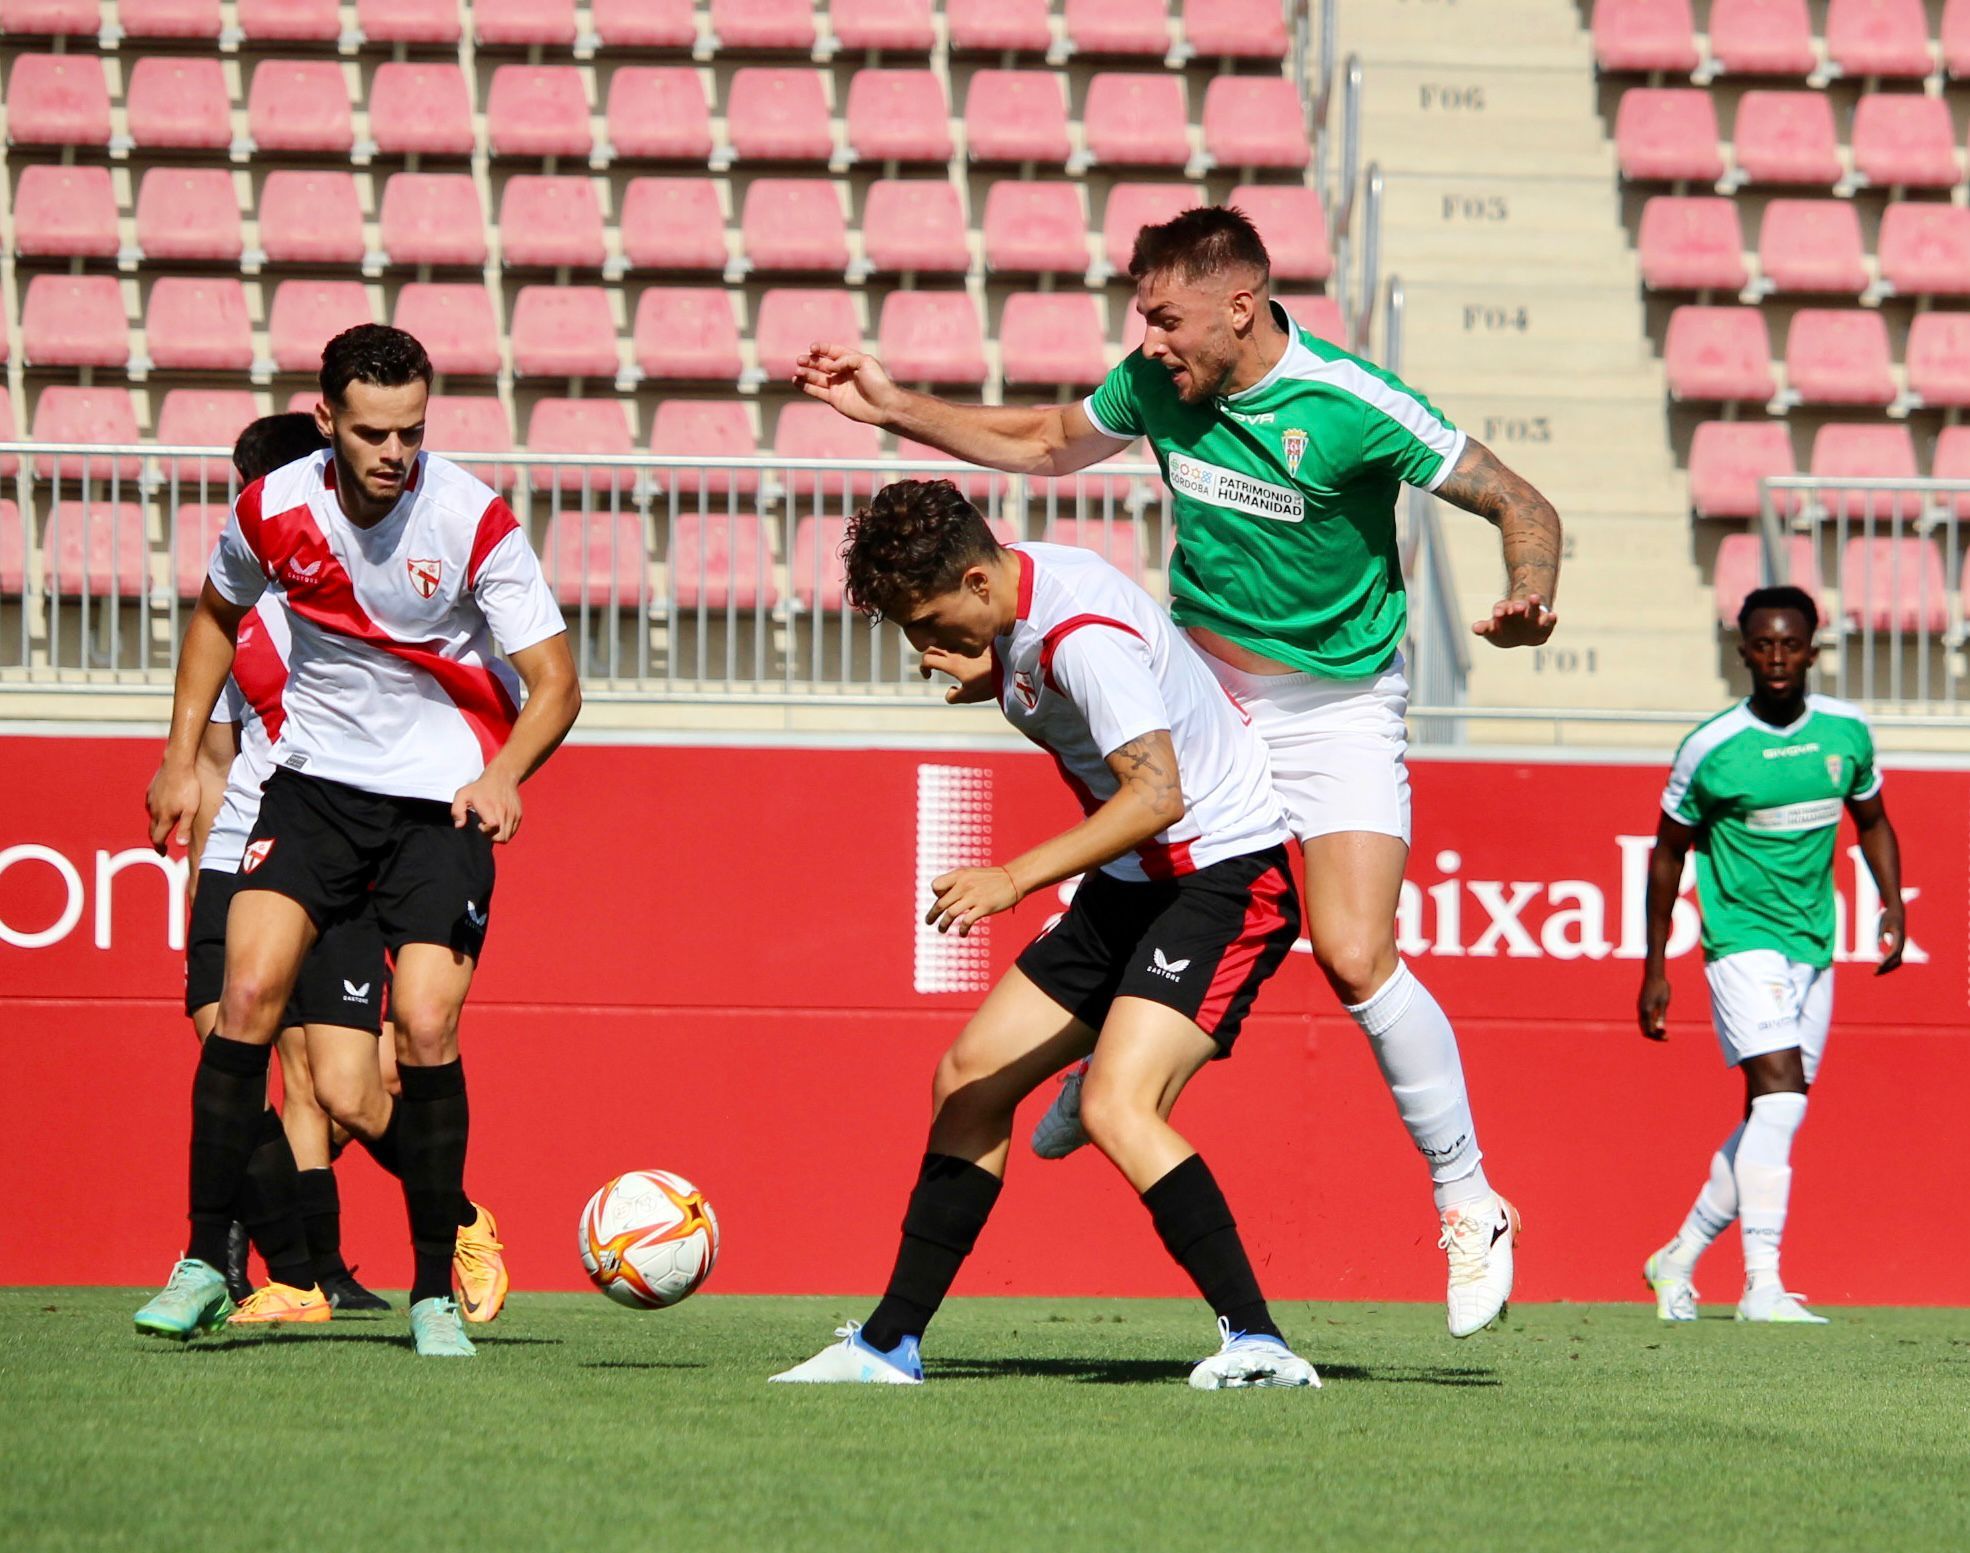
<point x="707" y="960"/>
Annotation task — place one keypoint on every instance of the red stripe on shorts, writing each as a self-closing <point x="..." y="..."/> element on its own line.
<point x="1262" y="919"/>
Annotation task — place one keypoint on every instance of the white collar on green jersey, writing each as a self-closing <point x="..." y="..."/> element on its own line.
<point x="1288" y="364"/>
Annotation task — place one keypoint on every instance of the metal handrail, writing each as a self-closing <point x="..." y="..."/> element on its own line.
<point x="1362" y="325"/>
<point x="1340" y="210"/>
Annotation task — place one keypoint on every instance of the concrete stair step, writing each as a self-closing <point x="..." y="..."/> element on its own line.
<point x="1502" y="312"/>
<point x="1435" y="29"/>
<point x="1457" y="95"/>
<point x="1427" y="258"/>
<point x="1463" y="377"/>
<point x="1473" y="202"/>
<point x="1591" y="664"/>
<point x="1476" y="143"/>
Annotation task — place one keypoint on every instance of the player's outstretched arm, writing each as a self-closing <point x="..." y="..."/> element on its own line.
<point x="1883" y="854"/>
<point x="1041" y="440"/>
<point x="547" y="669"/>
<point x="1672" y="845"/>
<point x="1148" y="802"/>
<point x="204" y="661"/>
<point x="1529" y="529"/>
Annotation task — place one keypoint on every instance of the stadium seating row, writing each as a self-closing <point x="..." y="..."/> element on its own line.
<point x="1243" y="29"/>
<point x="1898" y="139"/>
<point x="1729" y="458"/>
<point x="1776" y="38"/>
<point x="786" y="225"/>
<point x="1696" y="243"/>
<point x="1890" y="584"/>
<point x="304" y="108"/>
<point x="1833" y="356"/>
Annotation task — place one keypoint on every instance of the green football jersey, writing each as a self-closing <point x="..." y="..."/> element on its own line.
<point x="1765" y="803"/>
<point x="1285" y="499"/>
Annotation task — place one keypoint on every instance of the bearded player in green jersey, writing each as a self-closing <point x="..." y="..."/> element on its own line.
<point x="1285" y="456"/>
<point x="1758" y="790"/>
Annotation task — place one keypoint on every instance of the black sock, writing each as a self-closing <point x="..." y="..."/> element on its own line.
<point x="269" y="1207"/>
<point x="385" y="1149"/>
<point x="321" y="1218"/>
<point x="431" y="1144"/>
<point x="948" y="1207"/>
<point x="229" y="1091"/>
<point x="1199" y="1232"/>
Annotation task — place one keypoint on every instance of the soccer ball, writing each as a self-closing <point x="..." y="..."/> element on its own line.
<point x="648" y="1239"/>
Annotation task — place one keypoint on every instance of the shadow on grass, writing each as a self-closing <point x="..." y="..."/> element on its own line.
<point x="1156" y="1372"/>
<point x="643" y="1364"/>
<point x="1409" y="1375"/>
<point x="230" y="1345"/>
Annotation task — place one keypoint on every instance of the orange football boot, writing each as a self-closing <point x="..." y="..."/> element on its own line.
<point x="281" y="1302"/>
<point x="479" y="1268"/>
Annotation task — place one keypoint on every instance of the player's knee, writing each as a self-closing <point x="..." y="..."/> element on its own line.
<point x="346" y="1097"/>
<point x="1111" y="1113"/>
<point x="1355" y="967"/>
<point x="963" y="1088"/>
<point x="251" y="1004"/>
<point x="427" y="1031"/>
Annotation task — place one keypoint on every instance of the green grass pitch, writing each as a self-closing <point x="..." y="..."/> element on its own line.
<point x="1046" y="1424"/>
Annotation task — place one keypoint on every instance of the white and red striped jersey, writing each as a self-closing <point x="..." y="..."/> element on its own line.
<point x="393" y="685"/>
<point x="1093" y="662"/>
<point x="252" y="699"/>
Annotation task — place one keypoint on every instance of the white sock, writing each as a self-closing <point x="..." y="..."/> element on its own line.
<point x="1764" y="1181"/>
<point x="1711" y="1214"/>
<point x="1417" y="1052"/>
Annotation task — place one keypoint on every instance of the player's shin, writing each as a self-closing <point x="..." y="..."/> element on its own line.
<point x="948" y="1207"/>
<point x="321" y="1217"/>
<point x="229" y="1095"/>
<point x="1417" y="1052"/>
<point x="269" y="1207"/>
<point x="431" y="1147"/>
<point x="1712" y="1212"/>
<point x="1197" y="1229"/>
<point x="1764" y="1181"/>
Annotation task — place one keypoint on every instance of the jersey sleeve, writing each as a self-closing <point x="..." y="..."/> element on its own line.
<point x="514" y="596"/>
<point x="235" y="570"/>
<point x="1114" y="408"/>
<point x="1867" y="776"/>
<point x="1683" y="799"/>
<point x="1403" y="434"/>
<point x="1107" y="674"/>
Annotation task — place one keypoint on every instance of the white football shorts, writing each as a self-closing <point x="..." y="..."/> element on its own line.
<point x="1762" y="1002"/>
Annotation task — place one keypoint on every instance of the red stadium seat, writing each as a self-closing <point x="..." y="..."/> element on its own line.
<point x="420" y="110"/>
<point x="658" y="113"/>
<point x="1321" y="314"/>
<point x="673" y="224"/>
<point x="1871" y="451"/>
<point x="1720" y="353"/>
<point x="931" y="337"/>
<point x="96" y="547"/>
<point x="13" y="551"/>
<point x="290" y="21"/>
<point x="891" y="26"/>
<point x="58" y="100"/>
<point x="644" y="24"/>
<point x="434" y="219"/>
<point x="203" y="418"/>
<point x="64" y="413"/>
<point x="1951" y="462"/>
<point x="1838" y="356"/>
<point x="1729" y="458"/>
<point x="998" y="26"/>
<point x="1878" y="38"/>
<point x="311" y="218"/>
<point x="915" y="225"/>
<point x="1691" y="243"/>
<point x="1254" y="121"/>
<point x="1293" y="226"/>
<point x="1894" y="585"/>
<point x="975" y="485"/>
<point x="65" y="212"/>
<point x="564" y="331"/>
<point x="1812" y="245"/>
<point x="794" y="225"/>
<point x="1138" y="120"/>
<point x="816" y="571"/>
<point x="1115" y="539"/>
<point x="687" y="333"/>
<point x="457" y="424"/>
<point x="763" y="25"/>
<point x="581" y="426"/>
<point x="720" y="562"/>
<point x="898" y="116"/>
<point x="454" y="319"/>
<point x="1905" y="138"/>
<point x="1762" y="37"/>
<point x="1786" y="137"/>
<point x="1955" y="37"/>
<point x="1133" y="206"/>
<point x="188" y="213"/>
<point x="195" y="529"/>
<point x="1925" y="249"/>
<point x="170" y="18"/>
<point x="198" y="324"/>
<point x="307" y="314"/>
<point x="1938" y="359"/>
<point x="778" y="116"/>
<point x="1016" y="116"/>
<point x="538" y="110"/>
<point x="74" y="321"/>
<point x="550" y="223"/>
<point x="704" y="429"/>
<point x="790" y="319"/>
<point x="1035" y="229"/>
<point x="50" y="18"/>
<point x="1118" y="27"/>
<point x="807" y="429"/>
<point x="408" y="21"/>
<point x="1740" y="569"/>
<point x="597" y="558"/>
<point x="1235" y="29"/>
<point x="177" y="103"/>
<point x="300" y="105"/>
<point x="519" y="23"/>
<point x="1668" y="135"/>
<point x="9" y="465"/>
<point x="1645" y="36"/>
<point x="1047" y="339"/>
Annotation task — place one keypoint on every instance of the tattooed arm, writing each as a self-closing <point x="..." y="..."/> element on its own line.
<point x="1530" y="531"/>
<point x="1148" y="802"/>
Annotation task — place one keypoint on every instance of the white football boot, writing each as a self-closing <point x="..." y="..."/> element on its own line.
<point x="1478" y="1238"/>
<point x="1675" y="1295"/>
<point x="1247" y="1359"/>
<point x="1059" y="1132"/>
<point x="852" y="1362"/>
<point x="1770" y="1302"/>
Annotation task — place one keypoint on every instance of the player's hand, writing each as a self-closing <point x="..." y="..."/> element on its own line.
<point x="853" y="383"/>
<point x="1525" y="622"/>
<point x="172" y="800"/>
<point x="1652" y="1007"/>
<point x="973" y="675"/>
<point x="1894" y="938"/>
<point x="968" y="895"/>
<point x="493" y="801"/>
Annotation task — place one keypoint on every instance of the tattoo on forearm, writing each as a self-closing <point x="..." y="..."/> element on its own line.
<point x="1527" y="525"/>
<point x="1147" y="761"/>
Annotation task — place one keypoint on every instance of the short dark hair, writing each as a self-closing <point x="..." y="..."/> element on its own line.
<point x="275" y="440"/>
<point x="1200" y="243"/>
<point x="1784" y="597"/>
<point x="914" y="540"/>
<point x="375" y="354"/>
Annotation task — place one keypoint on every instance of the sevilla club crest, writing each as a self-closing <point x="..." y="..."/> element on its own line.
<point x="1022" y="682"/>
<point x="256" y="854"/>
<point x="424" y="576"/>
